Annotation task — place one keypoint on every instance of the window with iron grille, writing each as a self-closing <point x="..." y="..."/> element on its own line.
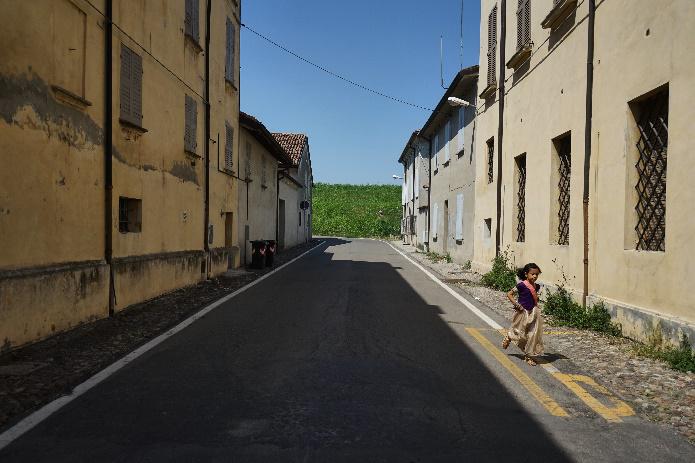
<point x="521" y="198"/>
<point x="229" y="147"/>
<point x="129" y="215"/>
<point x="230" y="59"/>
<point x="192" y="20"/>
<point x="131" y="86"/>
<point x="652" y="147"/>
<point x="523" y="24"/>
<point x="490" y="159"/>
<point x="190" y="143"/>
<point x="491" y="46"/>
<point x="563" y="147"/>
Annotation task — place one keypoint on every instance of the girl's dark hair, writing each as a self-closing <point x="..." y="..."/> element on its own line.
<point x="521" y="272"/>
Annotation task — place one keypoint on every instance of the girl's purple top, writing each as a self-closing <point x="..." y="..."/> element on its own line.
<point x="525" y="296"/>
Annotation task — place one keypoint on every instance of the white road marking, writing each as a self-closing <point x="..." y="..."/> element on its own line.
<point x="47" y="410"/>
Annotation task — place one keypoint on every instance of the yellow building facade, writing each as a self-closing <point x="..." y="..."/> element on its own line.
<point x="639" y="106"/>
<point x="118" y="179"/>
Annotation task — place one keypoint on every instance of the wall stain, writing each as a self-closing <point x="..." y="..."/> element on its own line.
<point x="185" y="172"/>
<point x="27" y="102"/>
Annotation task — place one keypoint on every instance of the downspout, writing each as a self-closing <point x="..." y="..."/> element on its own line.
<point x="108" y="151"/>
<point x="278" y="175"/>
<point x="587" y="142"/>
<point x="207" y="137"/>
<point x="429" y="195"/>
<point x="500" y="127"/>
<point x="412" y="239"/>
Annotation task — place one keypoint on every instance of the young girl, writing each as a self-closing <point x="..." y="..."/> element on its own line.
<point x="527" y="325"/>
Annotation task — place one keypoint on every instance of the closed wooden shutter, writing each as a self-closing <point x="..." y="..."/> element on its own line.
<point x="491" y="45"/>
<point x="125" y="90"/>
<point x="229" y="147"/>
<point x="447" y="139"/>
<point x="523" y="23"/>
<point x="436" y="150"/>
<point x="191" y="125"/>
<point x="136" y="89"/>
<point x="459" y="216"/>
<point x="192" y="19"/>
<point x="230" y="56"/>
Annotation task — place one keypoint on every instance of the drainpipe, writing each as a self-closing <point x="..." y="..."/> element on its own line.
<point x="108" y="151"/>
<point x="587" y="142"/>
<point x="429" y="196"/>
<point x="500" y="126"/>
<point x="278" y="175"/>
<point x="206" y="246"/>
<point x="412" y="240"/>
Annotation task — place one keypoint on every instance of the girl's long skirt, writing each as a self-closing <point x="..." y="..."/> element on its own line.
<point x="527" y="331"/>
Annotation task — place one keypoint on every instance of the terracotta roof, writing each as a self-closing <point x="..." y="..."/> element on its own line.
<point x="293" y="143"/>
<point x="262" y="134"/>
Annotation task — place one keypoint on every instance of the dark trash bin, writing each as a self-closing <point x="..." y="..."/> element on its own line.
<point x="270" y="253"/>
<point x="258" y="250"/>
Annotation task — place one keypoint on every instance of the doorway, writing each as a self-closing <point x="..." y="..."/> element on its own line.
<point x="281" y="224"/>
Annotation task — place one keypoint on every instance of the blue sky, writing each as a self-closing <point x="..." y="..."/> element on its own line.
<point x="391" y="46"/>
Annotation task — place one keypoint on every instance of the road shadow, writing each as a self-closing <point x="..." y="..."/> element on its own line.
<point x="335" y="359"/>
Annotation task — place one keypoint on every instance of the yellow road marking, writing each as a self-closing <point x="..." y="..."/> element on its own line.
<point x="503" y="331"/>
<point x="553" y="407"/>
<point x="612" y="413"/>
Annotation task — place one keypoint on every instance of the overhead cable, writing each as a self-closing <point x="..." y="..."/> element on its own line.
<point x="376" y="92"/>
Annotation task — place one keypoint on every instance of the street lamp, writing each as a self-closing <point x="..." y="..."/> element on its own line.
<point x="396" y="177"/>
<point x="453" y="101"/>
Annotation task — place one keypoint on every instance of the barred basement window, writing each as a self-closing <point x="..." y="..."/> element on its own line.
<point x="521" y="198"/>
<point x="490" y="159"/>
<point x="652" y="147"/>
<point x="564" y="150"/>
<point x="129" y="215"/>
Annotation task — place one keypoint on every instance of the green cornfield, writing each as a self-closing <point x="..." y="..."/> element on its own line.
<point x="356" y="210"/>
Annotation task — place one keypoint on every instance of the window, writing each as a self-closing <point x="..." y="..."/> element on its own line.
<point x="447" y="138"/>
<point x="417" y="176"/>
<point x="459" y="129"/>
<point x="491" y="46"/>
<point x="487" y="228"/>
<point x="264" y="180"/>
<point x="190" y="142"/>
<point x="230" y="60"/>
<point x="300" y="218"/>
<point x="229" y="147"/>
<point x="129" y="215"/>
<point x="192" y="20"/>
<point x="247" y="168"/>
<point x="490" y="159"/>
<point x="459" y="217"/>
<point x="521" y="198"/>
<point x="436" y="151"/>
<point x="563" y="163"/>
<point x="523" y="24"/>
<point x="131" y="87"/>
<point x="651" y="115"/>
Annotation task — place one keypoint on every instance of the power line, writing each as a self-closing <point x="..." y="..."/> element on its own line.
<point x="333" y="73"/>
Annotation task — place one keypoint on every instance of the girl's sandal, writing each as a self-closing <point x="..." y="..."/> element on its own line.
<point x="530" y="361"/>
<point x="505" y="342"/>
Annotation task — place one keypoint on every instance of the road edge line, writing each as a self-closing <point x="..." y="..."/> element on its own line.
<point x="29" y="422"/>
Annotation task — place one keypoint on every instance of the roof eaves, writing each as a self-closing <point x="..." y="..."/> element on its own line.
<point x="469" y="72"/>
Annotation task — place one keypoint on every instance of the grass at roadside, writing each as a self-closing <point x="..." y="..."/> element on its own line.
<point x="356" y="210"/>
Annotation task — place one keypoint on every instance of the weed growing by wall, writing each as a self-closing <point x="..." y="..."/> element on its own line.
<point x="565" y="311"/>
<point x="502" y="276"/>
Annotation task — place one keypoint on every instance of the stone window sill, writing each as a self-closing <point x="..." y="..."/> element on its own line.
<point x="194" y="43"/>
<point x="558" y="14"/>
<point x="132" y="125"/>
<point x="489" y="91"/>
<point x="520" y="56"/>
<point x="68" y="97"/>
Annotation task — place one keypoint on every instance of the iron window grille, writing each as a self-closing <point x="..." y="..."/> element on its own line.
<point x="490" y="159"/>
<point x="521" y="199"/>
<point x="123" y="215"/>
<point x="523" y="24"/>
<point x="564" y="150"/>
<point x="652" y="148"/>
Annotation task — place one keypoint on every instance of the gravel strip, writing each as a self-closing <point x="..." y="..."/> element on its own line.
<point x="655" y="391"/>
<point x="37" y="374"/>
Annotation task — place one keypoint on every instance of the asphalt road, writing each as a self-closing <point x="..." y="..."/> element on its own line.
<point x="349" y="354"/>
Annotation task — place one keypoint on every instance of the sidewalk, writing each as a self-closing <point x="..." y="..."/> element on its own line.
<point x="37" y="374"/>
<point x="654" y="390"/>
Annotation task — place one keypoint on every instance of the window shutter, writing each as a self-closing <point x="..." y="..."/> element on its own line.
<point x="491" y="45"/>
<point x="196" y="19"/>
<point x="248" y="160"/>
<point x="447" y="138"/>
<point x="126" y="108"/>
<point x="190" y="131"/>
<point x="436" y="150"/>
<point x="136" y="88"/>
<point x="229" y="61"/>
<point x="459" y="216"/>
<point x="462" y="120"/>
<point x="229" y="148"/>
<point x="417" y="176"/>
<point x="188" y="18"/>
<point x="435" y="212"/>
<point x="527" y="22"/>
